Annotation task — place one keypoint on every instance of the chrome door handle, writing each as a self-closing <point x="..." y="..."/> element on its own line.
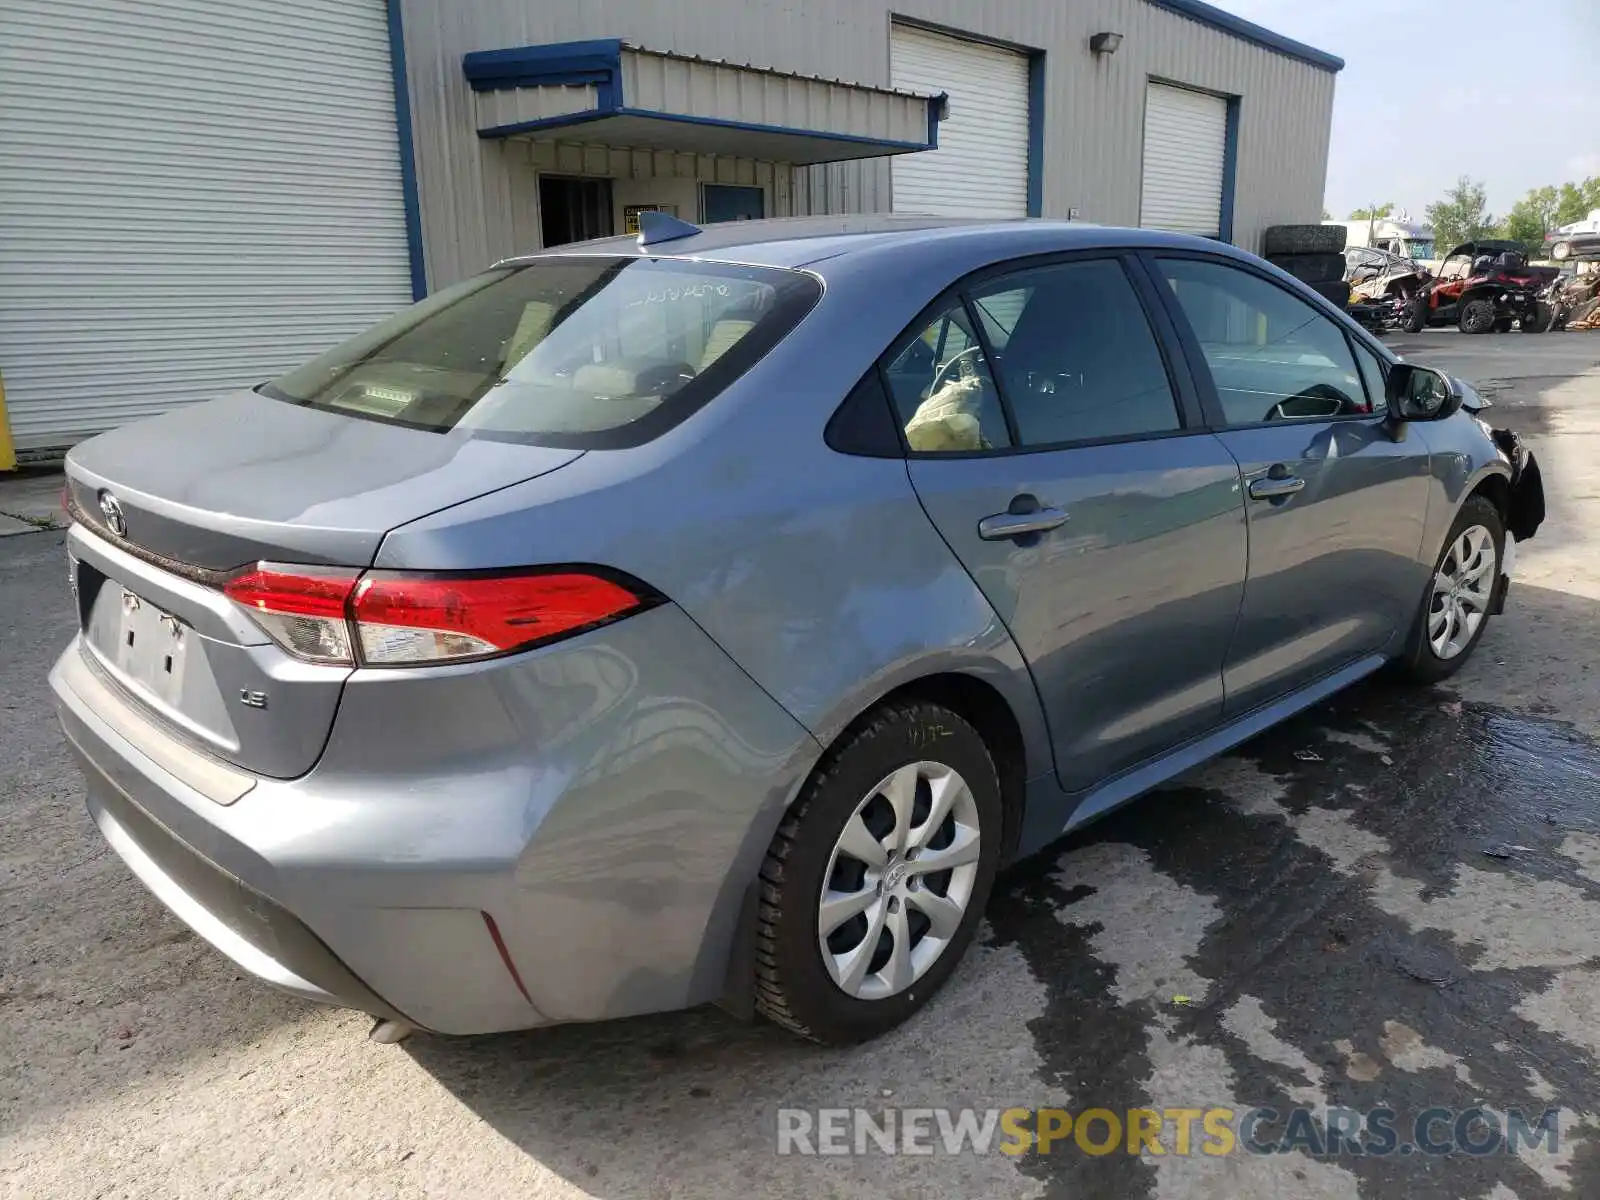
<point x="1012" y="524"/>
<point x="1270" y="488"/>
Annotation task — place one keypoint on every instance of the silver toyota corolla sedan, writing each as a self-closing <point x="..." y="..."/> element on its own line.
<point x="705" y="617"/>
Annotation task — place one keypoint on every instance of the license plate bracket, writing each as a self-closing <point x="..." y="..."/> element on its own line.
<point x="150" y="648"/>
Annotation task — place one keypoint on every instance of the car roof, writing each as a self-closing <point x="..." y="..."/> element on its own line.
<point x="805" y="241"/>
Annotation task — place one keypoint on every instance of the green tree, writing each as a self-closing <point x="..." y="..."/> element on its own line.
<point x="1532" y="217"/>
<point x="1577" y="200"/>
<point x="1462" y="216"/>
<point x="1373" y="212"/>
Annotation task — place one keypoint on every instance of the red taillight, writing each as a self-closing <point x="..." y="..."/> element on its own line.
<point x="303" y="609"/>
<point x="403" y="619"/>
<point x="390" y="618"/>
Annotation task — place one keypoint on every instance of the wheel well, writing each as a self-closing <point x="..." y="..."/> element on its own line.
<point x="986" y="710"/>
<point x="1497" y="492"/>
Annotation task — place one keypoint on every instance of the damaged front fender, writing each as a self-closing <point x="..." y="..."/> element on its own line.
<point x="1525" y="503"/>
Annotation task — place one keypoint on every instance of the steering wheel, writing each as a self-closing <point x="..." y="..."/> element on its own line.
<point x="965" y="364"/>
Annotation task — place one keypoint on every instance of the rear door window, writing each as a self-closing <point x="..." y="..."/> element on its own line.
<point x="943" y="388"/>
<point x="571" y="351"/>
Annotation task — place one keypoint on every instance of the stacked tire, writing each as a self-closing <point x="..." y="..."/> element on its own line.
<point x="1313" y="254"/>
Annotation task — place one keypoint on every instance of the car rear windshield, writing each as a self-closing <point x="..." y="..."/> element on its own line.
<point x="581" y="351"/>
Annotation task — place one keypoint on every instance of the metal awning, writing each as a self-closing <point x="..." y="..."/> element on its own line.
<point x="614" y="93"/>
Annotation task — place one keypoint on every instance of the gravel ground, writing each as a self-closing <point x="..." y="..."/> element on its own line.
<point x="1394" y="900"/>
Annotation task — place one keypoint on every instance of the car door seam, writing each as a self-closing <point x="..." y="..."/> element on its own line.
<point x="1244" y="583"/>
<point x="1038" y="696"/>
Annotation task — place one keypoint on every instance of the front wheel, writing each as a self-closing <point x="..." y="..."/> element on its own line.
<point x="875" y="883"/>
<point x="1540" y="320"/>
<point x="1455" y="608"/>
<point x="1477" y="316"/>
<point x="1417" y="315"/>
<point x="1561" y="251"/>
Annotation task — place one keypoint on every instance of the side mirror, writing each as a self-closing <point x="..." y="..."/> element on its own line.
<point x="1420" y="394"/>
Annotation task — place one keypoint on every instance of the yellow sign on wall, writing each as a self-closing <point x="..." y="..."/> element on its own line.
<point x="8" y="451"/>
<point x="630" y="214"/>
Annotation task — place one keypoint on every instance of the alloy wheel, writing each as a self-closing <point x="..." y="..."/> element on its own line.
<point x="899" y="880"/>
<point x="1462" y="589"/>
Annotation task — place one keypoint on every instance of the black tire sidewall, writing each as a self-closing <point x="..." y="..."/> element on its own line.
<point x="915" y="732"/>
<point x="1420" y="662"/>
<point x="1475" y="306"/>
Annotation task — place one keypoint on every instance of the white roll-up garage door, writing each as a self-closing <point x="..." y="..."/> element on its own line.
<point x="981" y="166"/>
<point x="193" y="196"/>
<point x="1185" y="142"/>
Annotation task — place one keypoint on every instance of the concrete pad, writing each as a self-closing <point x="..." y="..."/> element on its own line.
<point x="33" y="498"/>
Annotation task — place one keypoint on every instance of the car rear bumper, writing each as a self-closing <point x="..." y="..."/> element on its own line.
<point x="261" y="936"/>
<point x="459" y="863"/>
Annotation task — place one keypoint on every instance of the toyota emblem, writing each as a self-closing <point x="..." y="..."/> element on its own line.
<point x="112" y="509"/>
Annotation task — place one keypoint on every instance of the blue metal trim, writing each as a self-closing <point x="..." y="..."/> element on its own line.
<point x="1036" y="134"/>
<point x="597" y="62"/>
<point x="561" y="122"/>
<point x="1230" y="168"/>
<point x="408" y="155"/>
<point x="1251" y="32"/>
<point x="889" y="145"/>
<point x="753" y="127"/>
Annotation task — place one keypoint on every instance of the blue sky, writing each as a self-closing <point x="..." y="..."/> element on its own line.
<point x="1507" y="92"/>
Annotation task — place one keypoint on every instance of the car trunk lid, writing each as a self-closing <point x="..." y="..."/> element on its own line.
<point x="168" y="509"/>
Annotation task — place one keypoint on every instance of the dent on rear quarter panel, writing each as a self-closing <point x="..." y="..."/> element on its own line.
<point x="606" y="799"/>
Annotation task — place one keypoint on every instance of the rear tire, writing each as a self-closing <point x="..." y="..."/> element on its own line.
<point x="1561" y="251"/>
<point x="1425" y="659"/>
<point x="1544" y="316"/>
<point x="1311" y="268"/>
<point x="852" y="984"/>
<point x="1336" y="293"/>
<point x="1477" y="316"/>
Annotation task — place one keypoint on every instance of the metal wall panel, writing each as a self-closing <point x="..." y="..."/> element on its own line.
<point x="1093" y="107"/>
<point x="513" y="106"/>
<point x="721" y="91"/>
<point x="193" y="198"/>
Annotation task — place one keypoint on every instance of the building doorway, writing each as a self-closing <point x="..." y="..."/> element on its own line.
<point x="725" y="202"/>
<point x="573" y="209"/>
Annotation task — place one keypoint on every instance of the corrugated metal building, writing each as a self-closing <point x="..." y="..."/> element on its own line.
<point x="236" y="187"/>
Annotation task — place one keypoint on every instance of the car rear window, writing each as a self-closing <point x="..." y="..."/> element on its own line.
<point x="581" y="351"/>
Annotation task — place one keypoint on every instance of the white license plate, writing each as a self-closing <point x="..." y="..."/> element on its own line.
<point x="150" y="648"/>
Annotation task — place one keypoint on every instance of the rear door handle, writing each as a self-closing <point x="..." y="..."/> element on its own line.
<point x="1014" y="524"/>
<point x="1274" y="488"/>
